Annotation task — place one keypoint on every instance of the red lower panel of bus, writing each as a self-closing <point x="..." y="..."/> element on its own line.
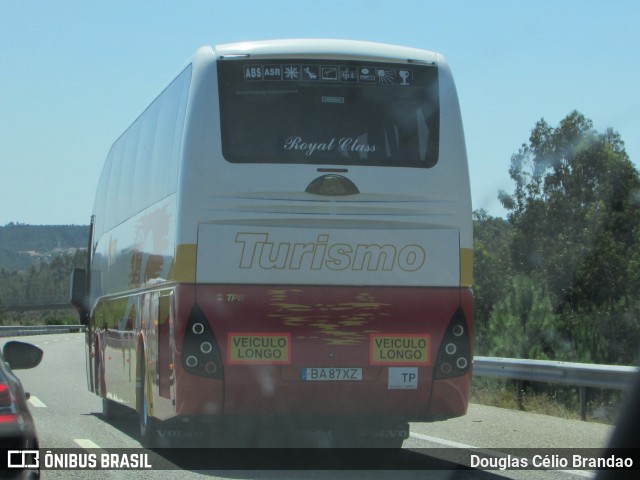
<point x="323" y="350"/>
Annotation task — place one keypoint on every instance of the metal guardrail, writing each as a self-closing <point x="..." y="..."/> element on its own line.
<point x="39" y="307"/>
<point x="23" y="330"/>
<point x="581" y="375"/>
<point x="573" y="374"/>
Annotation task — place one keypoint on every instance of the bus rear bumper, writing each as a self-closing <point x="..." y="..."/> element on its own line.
<point x="450" y="397"/>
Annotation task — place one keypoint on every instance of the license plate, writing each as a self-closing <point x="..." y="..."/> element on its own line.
<point x="326" y="374"/>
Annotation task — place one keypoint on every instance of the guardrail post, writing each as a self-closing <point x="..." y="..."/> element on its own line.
<point x="583" y="403"/>
<point x="519" y="388"/>
<point x="580" y="375"/>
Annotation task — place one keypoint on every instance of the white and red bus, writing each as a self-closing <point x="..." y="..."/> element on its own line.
<point x="286" y="233"/>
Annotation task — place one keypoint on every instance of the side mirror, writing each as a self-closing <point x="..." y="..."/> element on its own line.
<point x="79" y="294"/>
<point x="79" y="289"/>
<point x="20" y="355"/>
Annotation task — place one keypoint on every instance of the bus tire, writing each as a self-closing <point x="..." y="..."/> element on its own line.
<point x="99" y="385"/>
<point x="148" y="424"/>
<point x="110" y="409"/>
<point x="108" y="412"/>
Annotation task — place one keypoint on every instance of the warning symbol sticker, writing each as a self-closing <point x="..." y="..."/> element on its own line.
<point x="310" y="72"/>
<point x="259" y="348"/>
<point x="292" y="72"/>
<point x="329" y="73"/>
<point x="400" y="349"/>
<point x="348" y="74"/>
<point x="366" y="74"/>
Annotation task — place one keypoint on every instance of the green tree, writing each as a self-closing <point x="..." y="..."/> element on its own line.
<point x="46" y="283"/>
<point x="575" y="219"/>
<point x="492" y="271"/>
<point x="523" y="323"/>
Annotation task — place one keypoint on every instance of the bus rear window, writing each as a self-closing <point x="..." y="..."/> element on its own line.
<point x="329" y="112"/>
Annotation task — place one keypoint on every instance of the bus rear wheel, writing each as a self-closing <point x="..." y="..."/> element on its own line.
<point x="148" y="424"/>
<point x="110" y="409"/>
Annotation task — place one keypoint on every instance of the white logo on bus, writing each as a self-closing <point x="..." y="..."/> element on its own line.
<point x="259" y="252"/>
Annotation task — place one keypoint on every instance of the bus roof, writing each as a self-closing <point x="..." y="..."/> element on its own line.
<point x="326" y="47"/>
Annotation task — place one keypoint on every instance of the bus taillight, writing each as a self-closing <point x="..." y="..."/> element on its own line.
<point x="200" y="352"/>
<point x="454" y="357"/>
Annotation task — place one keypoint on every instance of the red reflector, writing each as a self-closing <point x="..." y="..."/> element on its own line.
<point x="5" y="395"/>
<point x="10" y="418"/>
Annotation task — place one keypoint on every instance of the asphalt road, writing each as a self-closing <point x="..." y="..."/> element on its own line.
<point x="67" y="415"/>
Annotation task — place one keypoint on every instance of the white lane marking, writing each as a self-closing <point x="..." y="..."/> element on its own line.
<point x="87" y="444"/>
<point x="449" y="443"/>
<point x="36" y="402"/>
<point x="440" y="441"/>
<point x="62" y="339"/>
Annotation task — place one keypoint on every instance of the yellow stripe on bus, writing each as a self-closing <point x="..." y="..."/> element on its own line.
<point x="185" y="263"/>
<point x="466" y="267"/>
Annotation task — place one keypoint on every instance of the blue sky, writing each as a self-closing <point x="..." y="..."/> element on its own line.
<point x="74" y="74"/>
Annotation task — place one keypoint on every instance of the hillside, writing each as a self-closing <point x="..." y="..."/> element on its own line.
<point x="22" y="246"/>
